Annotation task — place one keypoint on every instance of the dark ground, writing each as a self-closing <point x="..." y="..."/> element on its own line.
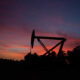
<point x="21" y="71"/>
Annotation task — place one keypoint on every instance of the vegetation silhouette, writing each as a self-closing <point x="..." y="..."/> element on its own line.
<point x="44" y="66"/>
<point x="71" y="57"/>
<point x="74" y="56"/>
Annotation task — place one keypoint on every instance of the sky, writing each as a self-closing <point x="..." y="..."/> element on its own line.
<point x="54" y="18"/>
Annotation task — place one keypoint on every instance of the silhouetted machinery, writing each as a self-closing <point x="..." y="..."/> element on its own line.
<point x="61" y="43"/>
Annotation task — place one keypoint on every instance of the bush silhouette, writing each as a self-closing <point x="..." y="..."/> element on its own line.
<point x="51" y="59"/>
<point x="74" y="56"/>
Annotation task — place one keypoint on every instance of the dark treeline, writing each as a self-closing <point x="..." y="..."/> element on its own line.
<point x="34" y="66"/>
<point x="71" y="57"/>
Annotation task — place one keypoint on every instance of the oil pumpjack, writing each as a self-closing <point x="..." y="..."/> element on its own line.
<point x="61" y="43"/>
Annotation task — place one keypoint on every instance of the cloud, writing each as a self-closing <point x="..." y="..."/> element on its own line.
<point x="3" y="49"/>
<point x="72" y="40"/>
<point x="4" y="45"/>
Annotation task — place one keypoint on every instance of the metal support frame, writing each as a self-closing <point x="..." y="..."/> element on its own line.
<point x="44" y="47"/>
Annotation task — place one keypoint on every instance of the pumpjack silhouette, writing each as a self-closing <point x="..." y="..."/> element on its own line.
<point x="61" y="43"/>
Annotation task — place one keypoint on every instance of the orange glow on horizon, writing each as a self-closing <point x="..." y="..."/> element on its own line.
<point x="19" y="56"/>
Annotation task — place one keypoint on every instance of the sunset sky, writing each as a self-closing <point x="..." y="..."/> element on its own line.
<point x="55" y="18"/>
